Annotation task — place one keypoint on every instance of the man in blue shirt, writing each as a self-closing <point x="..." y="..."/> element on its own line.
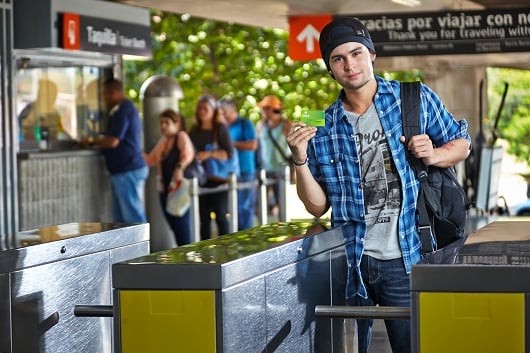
<point x="244" y="139"/>
<point x="123" y="154"/>
<point x="356" y="164"/>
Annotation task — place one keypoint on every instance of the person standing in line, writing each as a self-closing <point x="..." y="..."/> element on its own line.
<point x="356" y="164"/>
<point x="244" y="139"/>
<point x="122" y="149"/>
<point x="274" y="150"/>
<point x="209" y="130"/>
<point x="171" y="155"/>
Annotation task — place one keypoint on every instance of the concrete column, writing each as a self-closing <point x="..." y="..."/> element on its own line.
<point x="458" y="86"/>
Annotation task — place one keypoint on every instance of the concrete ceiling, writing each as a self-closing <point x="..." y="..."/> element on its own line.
<point x="275" y="14"/>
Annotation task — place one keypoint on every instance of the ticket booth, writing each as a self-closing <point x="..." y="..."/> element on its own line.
<point x="63" y="51"/>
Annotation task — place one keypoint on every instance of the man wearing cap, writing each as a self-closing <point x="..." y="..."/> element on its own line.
<point x="274" y="150"/>
<point x="356" y="164"/>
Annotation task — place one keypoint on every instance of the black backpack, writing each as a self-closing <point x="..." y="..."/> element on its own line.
<point x="442" y="204"/>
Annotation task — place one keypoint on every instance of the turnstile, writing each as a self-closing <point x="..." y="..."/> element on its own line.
<point x="250" y="291"/>
<point x="480" y="304"/>
<point x="52" y="269"/>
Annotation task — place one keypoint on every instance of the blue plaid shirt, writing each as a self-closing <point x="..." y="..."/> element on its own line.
<point x="335" y="163"/>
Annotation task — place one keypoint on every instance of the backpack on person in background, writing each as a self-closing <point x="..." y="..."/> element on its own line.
<point x="442" y="203"/>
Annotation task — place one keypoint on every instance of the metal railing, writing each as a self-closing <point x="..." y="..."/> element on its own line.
<point x="261" y="183"/>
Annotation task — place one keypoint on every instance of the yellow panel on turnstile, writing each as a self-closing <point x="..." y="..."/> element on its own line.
<point x="167" y="321"/>
<point x="471" y="322"/>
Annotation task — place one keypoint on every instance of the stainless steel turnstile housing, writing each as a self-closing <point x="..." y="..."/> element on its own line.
<point x="250" y="291"/>
<point x="53" y="269"/>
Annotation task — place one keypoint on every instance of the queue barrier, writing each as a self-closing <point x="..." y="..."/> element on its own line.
<point x="262" y="182"/>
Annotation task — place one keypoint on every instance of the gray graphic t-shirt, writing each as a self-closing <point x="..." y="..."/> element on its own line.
<point x="381" y="186"/>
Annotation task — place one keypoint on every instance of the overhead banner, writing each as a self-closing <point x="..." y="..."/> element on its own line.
<point x="450" y="32"/>
<point x="100" y="35"/>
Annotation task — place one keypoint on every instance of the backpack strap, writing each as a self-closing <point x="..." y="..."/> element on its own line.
<point x="410" y="109"/>
<point x="410" y="115"/>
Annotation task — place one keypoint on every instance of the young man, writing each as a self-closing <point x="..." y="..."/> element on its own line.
<point x="244" y="139"/>
<point x="122" y="149"/>
<point x="356" y="164"/>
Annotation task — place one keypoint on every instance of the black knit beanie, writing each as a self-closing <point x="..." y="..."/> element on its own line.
<point x="343" y="30"/>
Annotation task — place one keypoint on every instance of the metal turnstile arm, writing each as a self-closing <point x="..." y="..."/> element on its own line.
<point x="362" y="312"/>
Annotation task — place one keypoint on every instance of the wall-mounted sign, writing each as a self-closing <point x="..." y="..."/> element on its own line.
<point x="101" y="35"/>
<point x="427" y="33"/>
<point x="450" y="32"/>
<point x="70" y="31"/>
<point x="304" y="32"/>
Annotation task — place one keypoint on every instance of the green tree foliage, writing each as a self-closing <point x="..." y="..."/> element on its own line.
<point x="514" y="120"/>
<point x="246" y="63"/>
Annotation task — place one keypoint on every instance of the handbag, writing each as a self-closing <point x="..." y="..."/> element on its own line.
<point x="178" y="200"/>
<point x="218" y="170"/>
<point x="442" y="203"/>
<point x="196" y="170"/>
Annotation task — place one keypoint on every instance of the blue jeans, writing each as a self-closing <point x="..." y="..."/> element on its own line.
<point x="387" y="284"/>
<point x="245" y="202"/>
<point x="128" y="196"/>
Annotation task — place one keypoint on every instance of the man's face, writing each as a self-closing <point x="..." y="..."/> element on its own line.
<point x="229" y="114"/>
<point x="270" y="113"/>
<point x="352" y="65"/>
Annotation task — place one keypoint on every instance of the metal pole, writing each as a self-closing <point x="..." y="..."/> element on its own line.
<point x="194" y="211"/>
<point x="284" y="180"/>
<point x="156" y="94"/>
<point x="232" y="203"/>
<point x="9" y="199"/>
<point x="262" y="197"/>
<point x="94" y="311"/>
<point x="363" y="312"/>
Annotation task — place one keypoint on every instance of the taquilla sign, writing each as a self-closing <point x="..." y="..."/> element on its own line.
<point x="102" y="35"/>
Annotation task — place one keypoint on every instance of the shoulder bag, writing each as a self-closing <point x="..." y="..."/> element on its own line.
<point x="218" y="170"/>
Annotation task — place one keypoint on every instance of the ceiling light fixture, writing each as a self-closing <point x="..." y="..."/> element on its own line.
<point x="409" y="3"/>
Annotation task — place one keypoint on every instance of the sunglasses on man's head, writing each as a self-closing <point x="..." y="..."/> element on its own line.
<point x="276" y="111"/>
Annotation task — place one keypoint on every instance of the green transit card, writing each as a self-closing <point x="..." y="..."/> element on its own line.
<point x="313" y="117"/>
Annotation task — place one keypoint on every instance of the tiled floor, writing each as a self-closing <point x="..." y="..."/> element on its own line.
<point x="379" y="342"/>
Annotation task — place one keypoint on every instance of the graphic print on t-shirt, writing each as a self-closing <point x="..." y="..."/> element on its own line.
<point x="379" y="177"/>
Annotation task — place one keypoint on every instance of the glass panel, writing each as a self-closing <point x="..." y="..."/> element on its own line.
<point x="58" y="104"/>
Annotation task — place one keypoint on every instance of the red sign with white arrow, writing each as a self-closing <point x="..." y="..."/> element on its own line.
<point x="304" y="32"/>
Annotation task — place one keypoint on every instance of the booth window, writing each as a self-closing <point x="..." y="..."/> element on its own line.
<point x="63" y="101"/>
